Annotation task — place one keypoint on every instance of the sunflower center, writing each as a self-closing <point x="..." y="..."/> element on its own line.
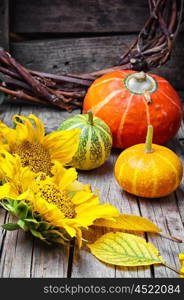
<point x="35" y="156"/>
<point x="59" y="198"/>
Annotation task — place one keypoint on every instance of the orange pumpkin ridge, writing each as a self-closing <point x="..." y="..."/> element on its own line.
<point x="123" y="118"/>
<point x="127" y="110"/>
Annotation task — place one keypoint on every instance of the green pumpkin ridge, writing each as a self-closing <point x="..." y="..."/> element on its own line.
<point x="95" y="141"/>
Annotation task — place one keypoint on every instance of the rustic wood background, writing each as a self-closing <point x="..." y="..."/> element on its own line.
<point x="62" y="36"/>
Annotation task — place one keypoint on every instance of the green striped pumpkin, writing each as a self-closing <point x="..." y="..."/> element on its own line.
<point x="95" y="141"/>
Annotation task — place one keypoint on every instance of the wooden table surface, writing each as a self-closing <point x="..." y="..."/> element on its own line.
<point x="24" y="256"/>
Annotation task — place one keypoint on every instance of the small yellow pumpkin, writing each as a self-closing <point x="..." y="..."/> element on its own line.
<point x="148" y="170"/>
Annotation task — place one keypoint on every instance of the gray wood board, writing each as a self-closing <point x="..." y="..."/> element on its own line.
<point x="166" y="213"/>
<point x="102" y="179"/>
<point x="24" y="256"/>
<point x="75" y="16"/>
<point x="83" y="55"/>
<point x="4" y="24"/>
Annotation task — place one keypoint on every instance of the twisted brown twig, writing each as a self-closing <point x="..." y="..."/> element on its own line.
<point x="152" y="48"/>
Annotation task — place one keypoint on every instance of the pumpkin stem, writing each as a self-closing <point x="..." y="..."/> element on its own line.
<point x="140" y="83"/>
<point x="140" y="76"/>
<point x="90" y="117"/>
<point x="149" y="138"/>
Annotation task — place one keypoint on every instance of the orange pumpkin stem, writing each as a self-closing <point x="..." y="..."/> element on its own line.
<point x="90" y="117"/>
<point x="149" y="139"/>
<point x="140" y="76"/>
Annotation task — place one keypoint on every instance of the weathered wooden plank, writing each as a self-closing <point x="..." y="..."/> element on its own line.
<point x="86" y="265"/>
<point x="2" y="231"/>
<point x="16" y="254"/>
<point x="76" y="16"/>
<point x="51" y="117"/>
<point x="21" y="255"/>
<point x="164" y="213"/>
<point x="16" y="246"/>
<point x="168" y="214"/>
<point x="71" y="55"/>
<point x="130" y="205"/>
<point x="6" y="112"/>
<point x="4" y="24"/>
<point x="83" y="55"/>
<point x="43" y="261"/>
<point x="49" y="261"/>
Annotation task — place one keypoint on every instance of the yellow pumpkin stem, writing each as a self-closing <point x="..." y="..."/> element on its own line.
<point x="149" y="138"/>
<point x="90" y="117"/>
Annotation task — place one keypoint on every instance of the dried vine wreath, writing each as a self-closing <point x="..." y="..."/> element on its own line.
<point x="152" y="48"/>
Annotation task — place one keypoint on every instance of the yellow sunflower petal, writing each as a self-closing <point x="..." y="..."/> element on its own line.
<point x="63" y="177"/>
<point x="3" y="144"/>
<point x="52" y="197"/>
<point x="77" y="186"/>
<point x="27" y="177"/>
<point x="79" y="236"/>
<point x="48" y="210"/>
<point x="9" y="164"/>
<point x="83" y="196"/>
<point x="69" y="177"/>
<point x="105" y="211"/>
<point x="24" y="129"/>
<point x="71" y="231"/>
<point x="7" y="134"/>
<point x="62" y="144"/>
<point x="7" y="191"/>
<point x="12" y="168"/>
<point x="17" y="177"/>
<point x="39" y="130"/>
<point x="23" y="196"/>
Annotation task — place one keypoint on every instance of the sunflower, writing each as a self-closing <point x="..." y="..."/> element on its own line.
<point x="16" y="179"/>
<point x="65" y="204"/>
<point x="37" y="150"/>
<point x="5" y="147"/>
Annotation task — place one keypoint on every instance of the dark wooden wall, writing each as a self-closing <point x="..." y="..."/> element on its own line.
<point x="79" y="36"/>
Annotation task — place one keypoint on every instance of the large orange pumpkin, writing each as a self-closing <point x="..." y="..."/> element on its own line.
<point x="129" y="101"/>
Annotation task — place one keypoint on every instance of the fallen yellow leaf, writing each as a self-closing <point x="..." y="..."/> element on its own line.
<point x="129" y="222"/>
<point x="124" y="249"/>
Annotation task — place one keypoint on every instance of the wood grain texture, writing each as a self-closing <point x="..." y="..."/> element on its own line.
<point x="168" y="214"/>
<point x="7" y="111"/>
<point x="24" y="256"/>
<point x="3" y="215"/>
<point x="48" y="261"/>
<point x="16" y="247"/>
<point x="85" y="264"/>
<point x="164" y="213"/>
<point x="83" y="55"/>
<point x="21" y="254"/>
<point x="75" y="16"/>
<point x="4" y="24"/>
<point x="16" y="256"/>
